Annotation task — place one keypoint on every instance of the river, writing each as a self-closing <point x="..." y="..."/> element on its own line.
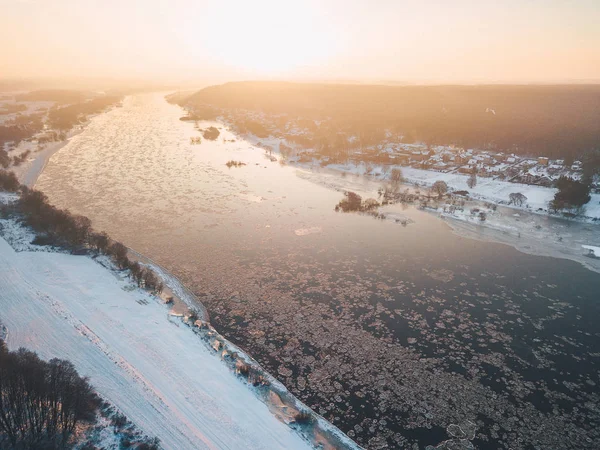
<point x="391" y="330"/>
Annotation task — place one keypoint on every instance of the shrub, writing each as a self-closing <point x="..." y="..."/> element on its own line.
<point x="43" y="239"/>
<point x="211" y="133"/>
<point x="351" y="202"/>
<point x="232" y="163"/>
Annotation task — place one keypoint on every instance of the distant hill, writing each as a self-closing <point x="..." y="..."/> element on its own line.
<point x="555" y="121"/>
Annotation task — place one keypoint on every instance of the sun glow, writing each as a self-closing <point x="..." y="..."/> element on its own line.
<point x="387" y="40"/>
<point x="268" y="37"/>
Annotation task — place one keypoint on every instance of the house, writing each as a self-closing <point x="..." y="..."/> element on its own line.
<point x="543" y="161"/>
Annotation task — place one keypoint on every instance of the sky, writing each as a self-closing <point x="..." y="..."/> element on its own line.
<point x="403" y="41"/>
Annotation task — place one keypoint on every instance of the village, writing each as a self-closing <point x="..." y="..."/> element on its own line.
<point x="540" y="171"/>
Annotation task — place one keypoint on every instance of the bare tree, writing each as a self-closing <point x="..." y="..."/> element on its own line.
<point x="99" y="241"/>
<point x="472" y="181"/>
<point x="517" y="199"/>
<point x="41" y="402"/>
<point x="397" y="176"/>
<point x="83" y="228"/>
<point x="150" y="280"/>
<point x="136" y="272"/>
<point x="439" y="188"/>
<point x="119" y="254"/>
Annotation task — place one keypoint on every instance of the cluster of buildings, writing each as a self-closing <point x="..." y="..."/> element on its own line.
<point x="541" y="171"/>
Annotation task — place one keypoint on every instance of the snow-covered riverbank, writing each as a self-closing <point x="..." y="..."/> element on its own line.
<point x="141" y="357"/>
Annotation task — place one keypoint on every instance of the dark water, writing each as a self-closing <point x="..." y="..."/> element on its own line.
<point x="391" y="332"/>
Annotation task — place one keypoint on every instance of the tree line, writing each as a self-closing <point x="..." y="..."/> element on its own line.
<point x="61" y="228"/>
<point x="64" y="118"/>
<point x="41" y="402"/>
<point x="20" y="128"/>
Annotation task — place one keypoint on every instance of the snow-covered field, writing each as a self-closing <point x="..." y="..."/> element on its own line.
<point x="150" y="365"/>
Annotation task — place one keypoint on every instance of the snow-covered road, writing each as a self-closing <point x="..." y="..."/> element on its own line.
<point x="154" y="369"/>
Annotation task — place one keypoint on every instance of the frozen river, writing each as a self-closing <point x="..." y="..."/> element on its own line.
<point x="392" y="332"/>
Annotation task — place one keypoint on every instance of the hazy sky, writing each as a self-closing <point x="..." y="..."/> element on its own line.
<point x="395" y="40"/>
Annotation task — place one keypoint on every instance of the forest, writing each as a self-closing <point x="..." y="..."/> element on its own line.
<point x="41" y="402"/>
<point x="68" y="116"/>
<point x="554" y="121"/>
